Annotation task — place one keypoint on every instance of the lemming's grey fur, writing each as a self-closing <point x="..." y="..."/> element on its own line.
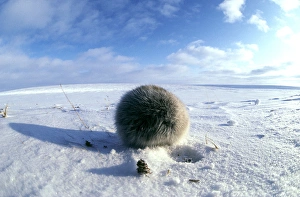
<point x="151" y="116"/>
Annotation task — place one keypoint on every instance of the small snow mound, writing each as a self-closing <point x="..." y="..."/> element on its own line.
<point x="260" y="136"/>
<point x="211" y="166"/>
<point x="81" y="161"/>
<point x="257" y="101"/>
<point x="189" y="108"/>
<point x="173" y="181"/>
<point x="231" y="123"/>
<point x="214" y="194"/>
<point x="113" y="151"/>
<point x="185" y="154"/>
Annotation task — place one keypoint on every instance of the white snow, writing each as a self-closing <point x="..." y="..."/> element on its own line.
<point x="43" y="148"/>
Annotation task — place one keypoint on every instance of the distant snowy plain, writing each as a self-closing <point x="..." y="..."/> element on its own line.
<point x="43" y="148"/>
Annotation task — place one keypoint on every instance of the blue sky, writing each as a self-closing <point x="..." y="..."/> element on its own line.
<point x="50" y="42"/>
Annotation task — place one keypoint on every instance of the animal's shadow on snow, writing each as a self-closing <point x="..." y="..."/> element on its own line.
<point x="101" y="141"/>
<point x="125" y="169"/>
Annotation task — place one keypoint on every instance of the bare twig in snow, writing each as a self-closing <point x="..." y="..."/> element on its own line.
<point x="75" y="109"/>
<point x="207" y="139"/>
<point x="194" y="180"/>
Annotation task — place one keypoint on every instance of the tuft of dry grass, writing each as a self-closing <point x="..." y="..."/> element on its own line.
<point x="107" y="107"/>
<point x="207" y="140"/>
<point x="75" y="109"/>
<point x="3" y="112"/>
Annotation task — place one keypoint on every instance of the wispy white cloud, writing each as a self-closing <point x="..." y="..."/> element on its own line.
<point x="289" y="56"/>
<point x="284" y="73"/>
<point x="169" y="7"/>
<point x="211" y="58"/>
<point x="232" y="10"/>
<point x="195" y="63"/>
<point x="287" y="5"/>
<point x="168" y="42"/>
<point x="70" y="21"/>
<point x="263" y="70"/>
<point x="260" y="23"/>
<point x="105" y="61"/>
<point x="79" y="21"/>
<point x="196" y="54"/>
<point x="284" y="32"/>
<point x="208" y="64"/>
<point x="92" y="66"/>
<point x="135" y="26"/>
<point x="18" y="15"/>
<point x="165" y="73"/>
<point x="291" y="39"/>
<point x="98" y="65"/>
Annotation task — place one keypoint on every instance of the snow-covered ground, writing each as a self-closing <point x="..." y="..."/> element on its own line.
<point x="43" y="148"/>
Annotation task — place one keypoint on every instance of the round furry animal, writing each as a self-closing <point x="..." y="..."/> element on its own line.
<point x="151" y="116"/>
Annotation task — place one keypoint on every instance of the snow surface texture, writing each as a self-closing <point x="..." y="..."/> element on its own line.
<point x="43" y="148"/>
